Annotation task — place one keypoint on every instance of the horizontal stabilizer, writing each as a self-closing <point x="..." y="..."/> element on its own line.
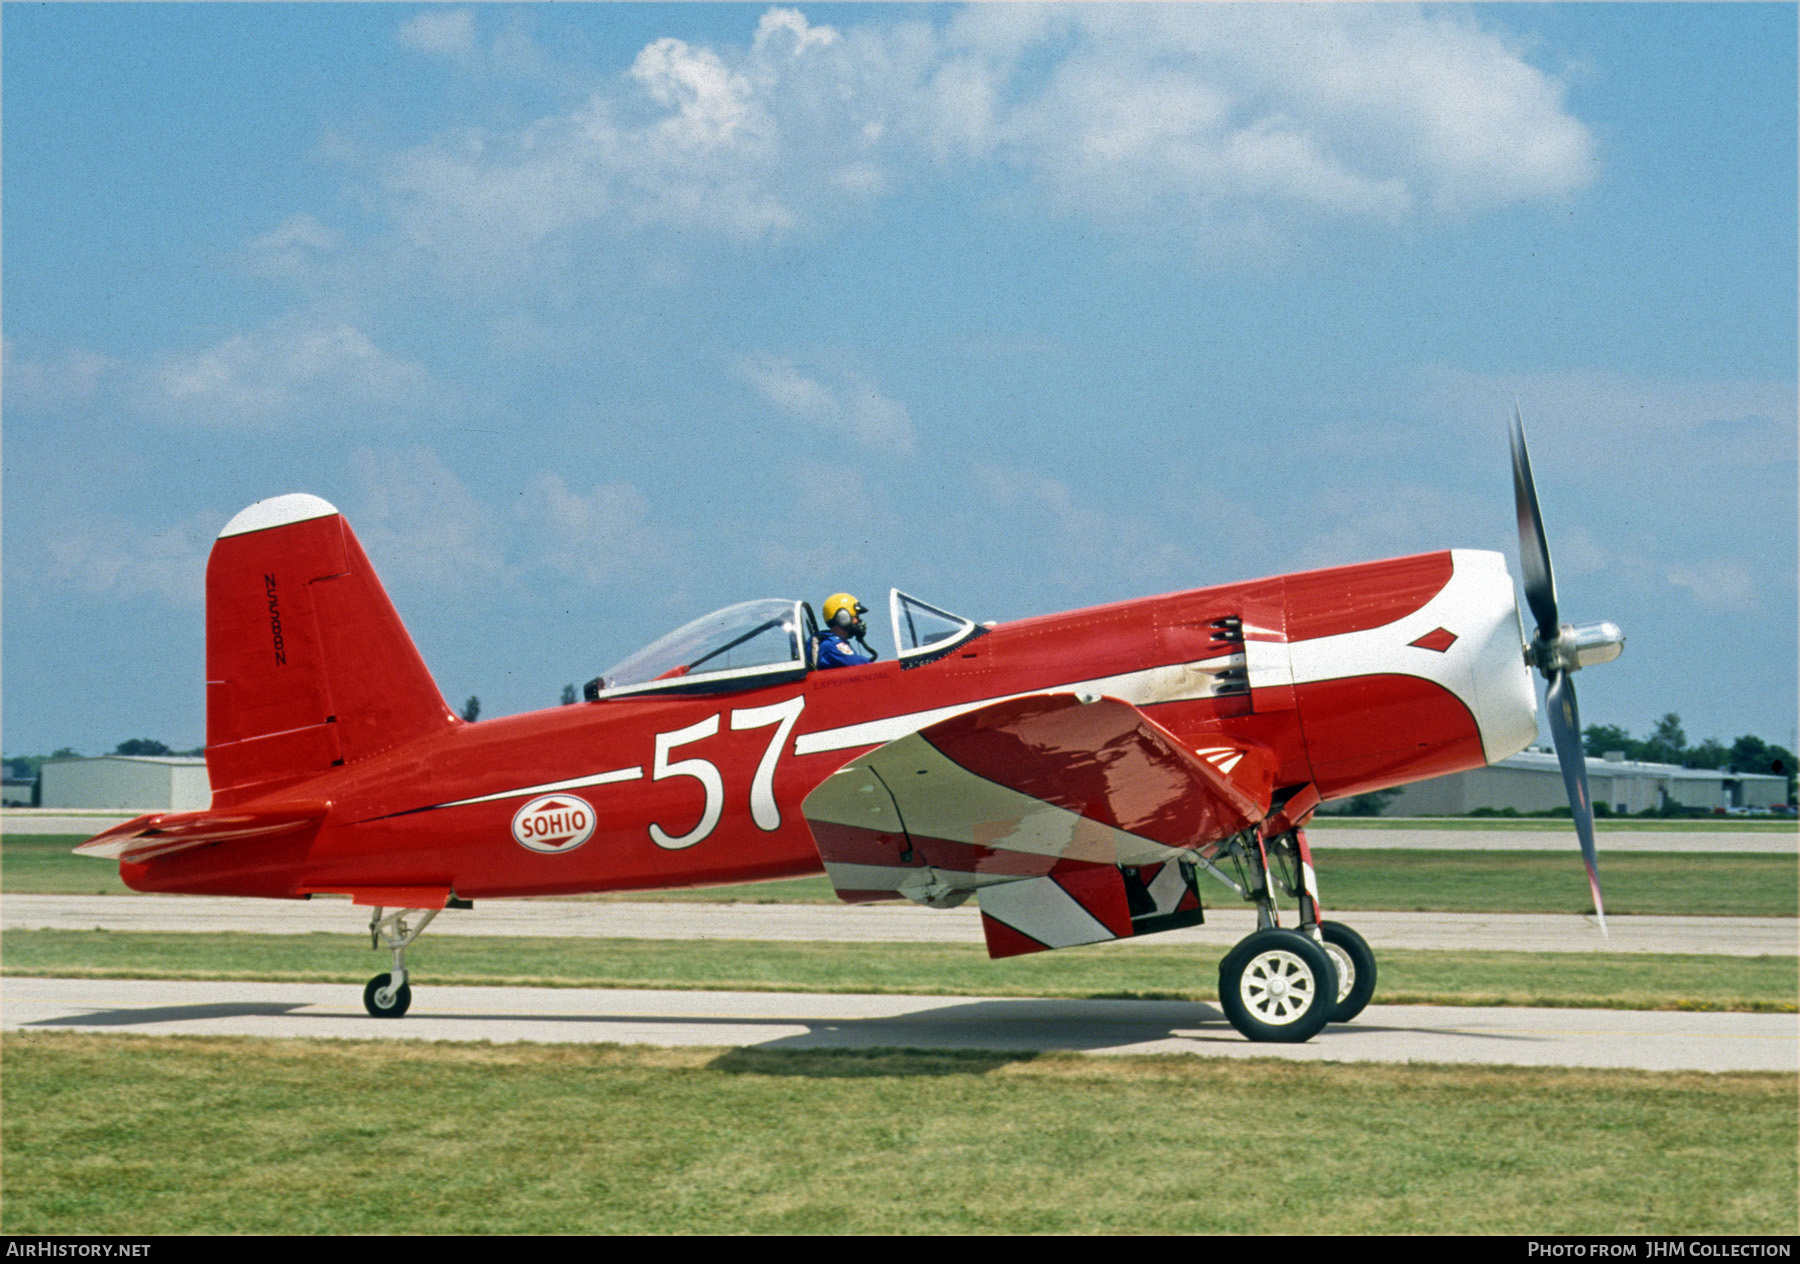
<point x="163" y="833"/>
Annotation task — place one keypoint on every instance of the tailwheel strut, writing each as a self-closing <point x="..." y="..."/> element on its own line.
<point x="388" y="995"/>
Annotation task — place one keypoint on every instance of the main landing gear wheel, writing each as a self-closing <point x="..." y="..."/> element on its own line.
<point x="1355" y="963"/>
<point x="1277" y="985"/>
<point x="385" y="1001"/>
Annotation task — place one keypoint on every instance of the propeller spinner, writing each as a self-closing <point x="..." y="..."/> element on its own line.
<point x="1558" y="650"/>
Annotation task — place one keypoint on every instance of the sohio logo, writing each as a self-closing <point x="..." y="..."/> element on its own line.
<point x="554" y="823"/>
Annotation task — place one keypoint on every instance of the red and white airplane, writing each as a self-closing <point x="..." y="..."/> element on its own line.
<point x="1078" y="772"/>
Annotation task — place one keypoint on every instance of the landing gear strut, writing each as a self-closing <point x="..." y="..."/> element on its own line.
<point x="388" y="995"/>
<point x="1285" y="985"/>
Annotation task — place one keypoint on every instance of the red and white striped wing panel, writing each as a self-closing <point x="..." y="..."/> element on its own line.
<point x="1009" y="791"/>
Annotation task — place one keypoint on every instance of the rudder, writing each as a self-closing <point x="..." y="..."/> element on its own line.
<point x="308" y="666"/>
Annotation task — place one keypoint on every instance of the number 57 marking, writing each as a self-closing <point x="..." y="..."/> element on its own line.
<point x="763" y="809"/>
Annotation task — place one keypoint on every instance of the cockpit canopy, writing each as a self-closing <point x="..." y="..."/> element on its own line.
<point x="765" y="642"/>
<point x="743" y="642"/>
<point x="922" y="631"/>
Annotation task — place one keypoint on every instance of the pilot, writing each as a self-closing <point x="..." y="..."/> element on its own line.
<point x="844" y="624"/>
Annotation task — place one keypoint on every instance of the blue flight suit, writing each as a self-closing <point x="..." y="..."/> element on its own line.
<point x="836" y="650"/>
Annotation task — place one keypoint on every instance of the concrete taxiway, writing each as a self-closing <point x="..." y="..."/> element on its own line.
<point x="786" y="1020"/>
<point x="1521" y="932"/>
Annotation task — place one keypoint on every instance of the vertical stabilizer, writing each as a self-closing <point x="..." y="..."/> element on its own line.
<point x="307" y="665"/>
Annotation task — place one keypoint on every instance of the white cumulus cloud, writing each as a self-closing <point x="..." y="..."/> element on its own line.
<point x="107" y="556"/>
<point x="1196" y="122"/>
<point x="441" y="32"/>
<point x="1716" y="584"/>
<point x="789" y="28"/>
<point x="292" y="249"/>
<point x="1211" y="116"/>
<point x="300" y="367"/>
<point x="851" y="408"/>
<point x="74" y="378"/>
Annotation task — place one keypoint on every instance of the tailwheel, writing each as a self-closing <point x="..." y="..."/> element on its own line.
<point x="389" y="995"/>
<point x="1355" y="963"/>
<point x="1278" y="986"/>
<point x="384" y="1000"/>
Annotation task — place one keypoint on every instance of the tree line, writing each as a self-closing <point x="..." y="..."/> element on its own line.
<point x="1668" y="744"/>
<point x="25" y="767"/>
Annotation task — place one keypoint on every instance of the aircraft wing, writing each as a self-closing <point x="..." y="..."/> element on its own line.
<point x="1064" y="811"/>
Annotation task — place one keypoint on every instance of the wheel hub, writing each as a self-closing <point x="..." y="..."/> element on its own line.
<point x="1278" y="987"/>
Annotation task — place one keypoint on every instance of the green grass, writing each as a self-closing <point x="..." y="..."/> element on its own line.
<point x="43" y="864"/>
<point x="146" y="1135"/>
<point x="1618" y="981"/>
<point x="1722" y="885"/>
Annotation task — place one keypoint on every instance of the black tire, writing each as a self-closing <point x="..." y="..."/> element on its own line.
<point x="1277" y="986"/>
<point x="1355" y="962"/>
<point x="402" y="998"/>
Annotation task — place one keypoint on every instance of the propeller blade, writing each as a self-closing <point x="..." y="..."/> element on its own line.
<point x="1534" y="547"/>
<point x="1565" y="731"/>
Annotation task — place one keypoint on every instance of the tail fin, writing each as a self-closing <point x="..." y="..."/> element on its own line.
<point x="307" y="665"/>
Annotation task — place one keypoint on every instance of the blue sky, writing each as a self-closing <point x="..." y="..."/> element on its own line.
<point x="594" y="318"/>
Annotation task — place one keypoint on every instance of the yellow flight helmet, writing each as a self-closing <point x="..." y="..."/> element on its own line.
<point x="842" y="610"/>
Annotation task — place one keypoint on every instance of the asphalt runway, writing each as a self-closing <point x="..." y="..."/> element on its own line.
<point x="1521" y="932"/>
<point x="785" y="1020"/>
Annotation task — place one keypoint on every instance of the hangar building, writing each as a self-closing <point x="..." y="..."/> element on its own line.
<point x="142" y="783"/>
<point x="1531" y="781"/>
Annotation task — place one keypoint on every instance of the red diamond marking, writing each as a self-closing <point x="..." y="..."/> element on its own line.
<point x="1439" y="639"/>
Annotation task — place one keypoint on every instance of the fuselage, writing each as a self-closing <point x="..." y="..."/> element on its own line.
<point x="1353" y="678"/>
